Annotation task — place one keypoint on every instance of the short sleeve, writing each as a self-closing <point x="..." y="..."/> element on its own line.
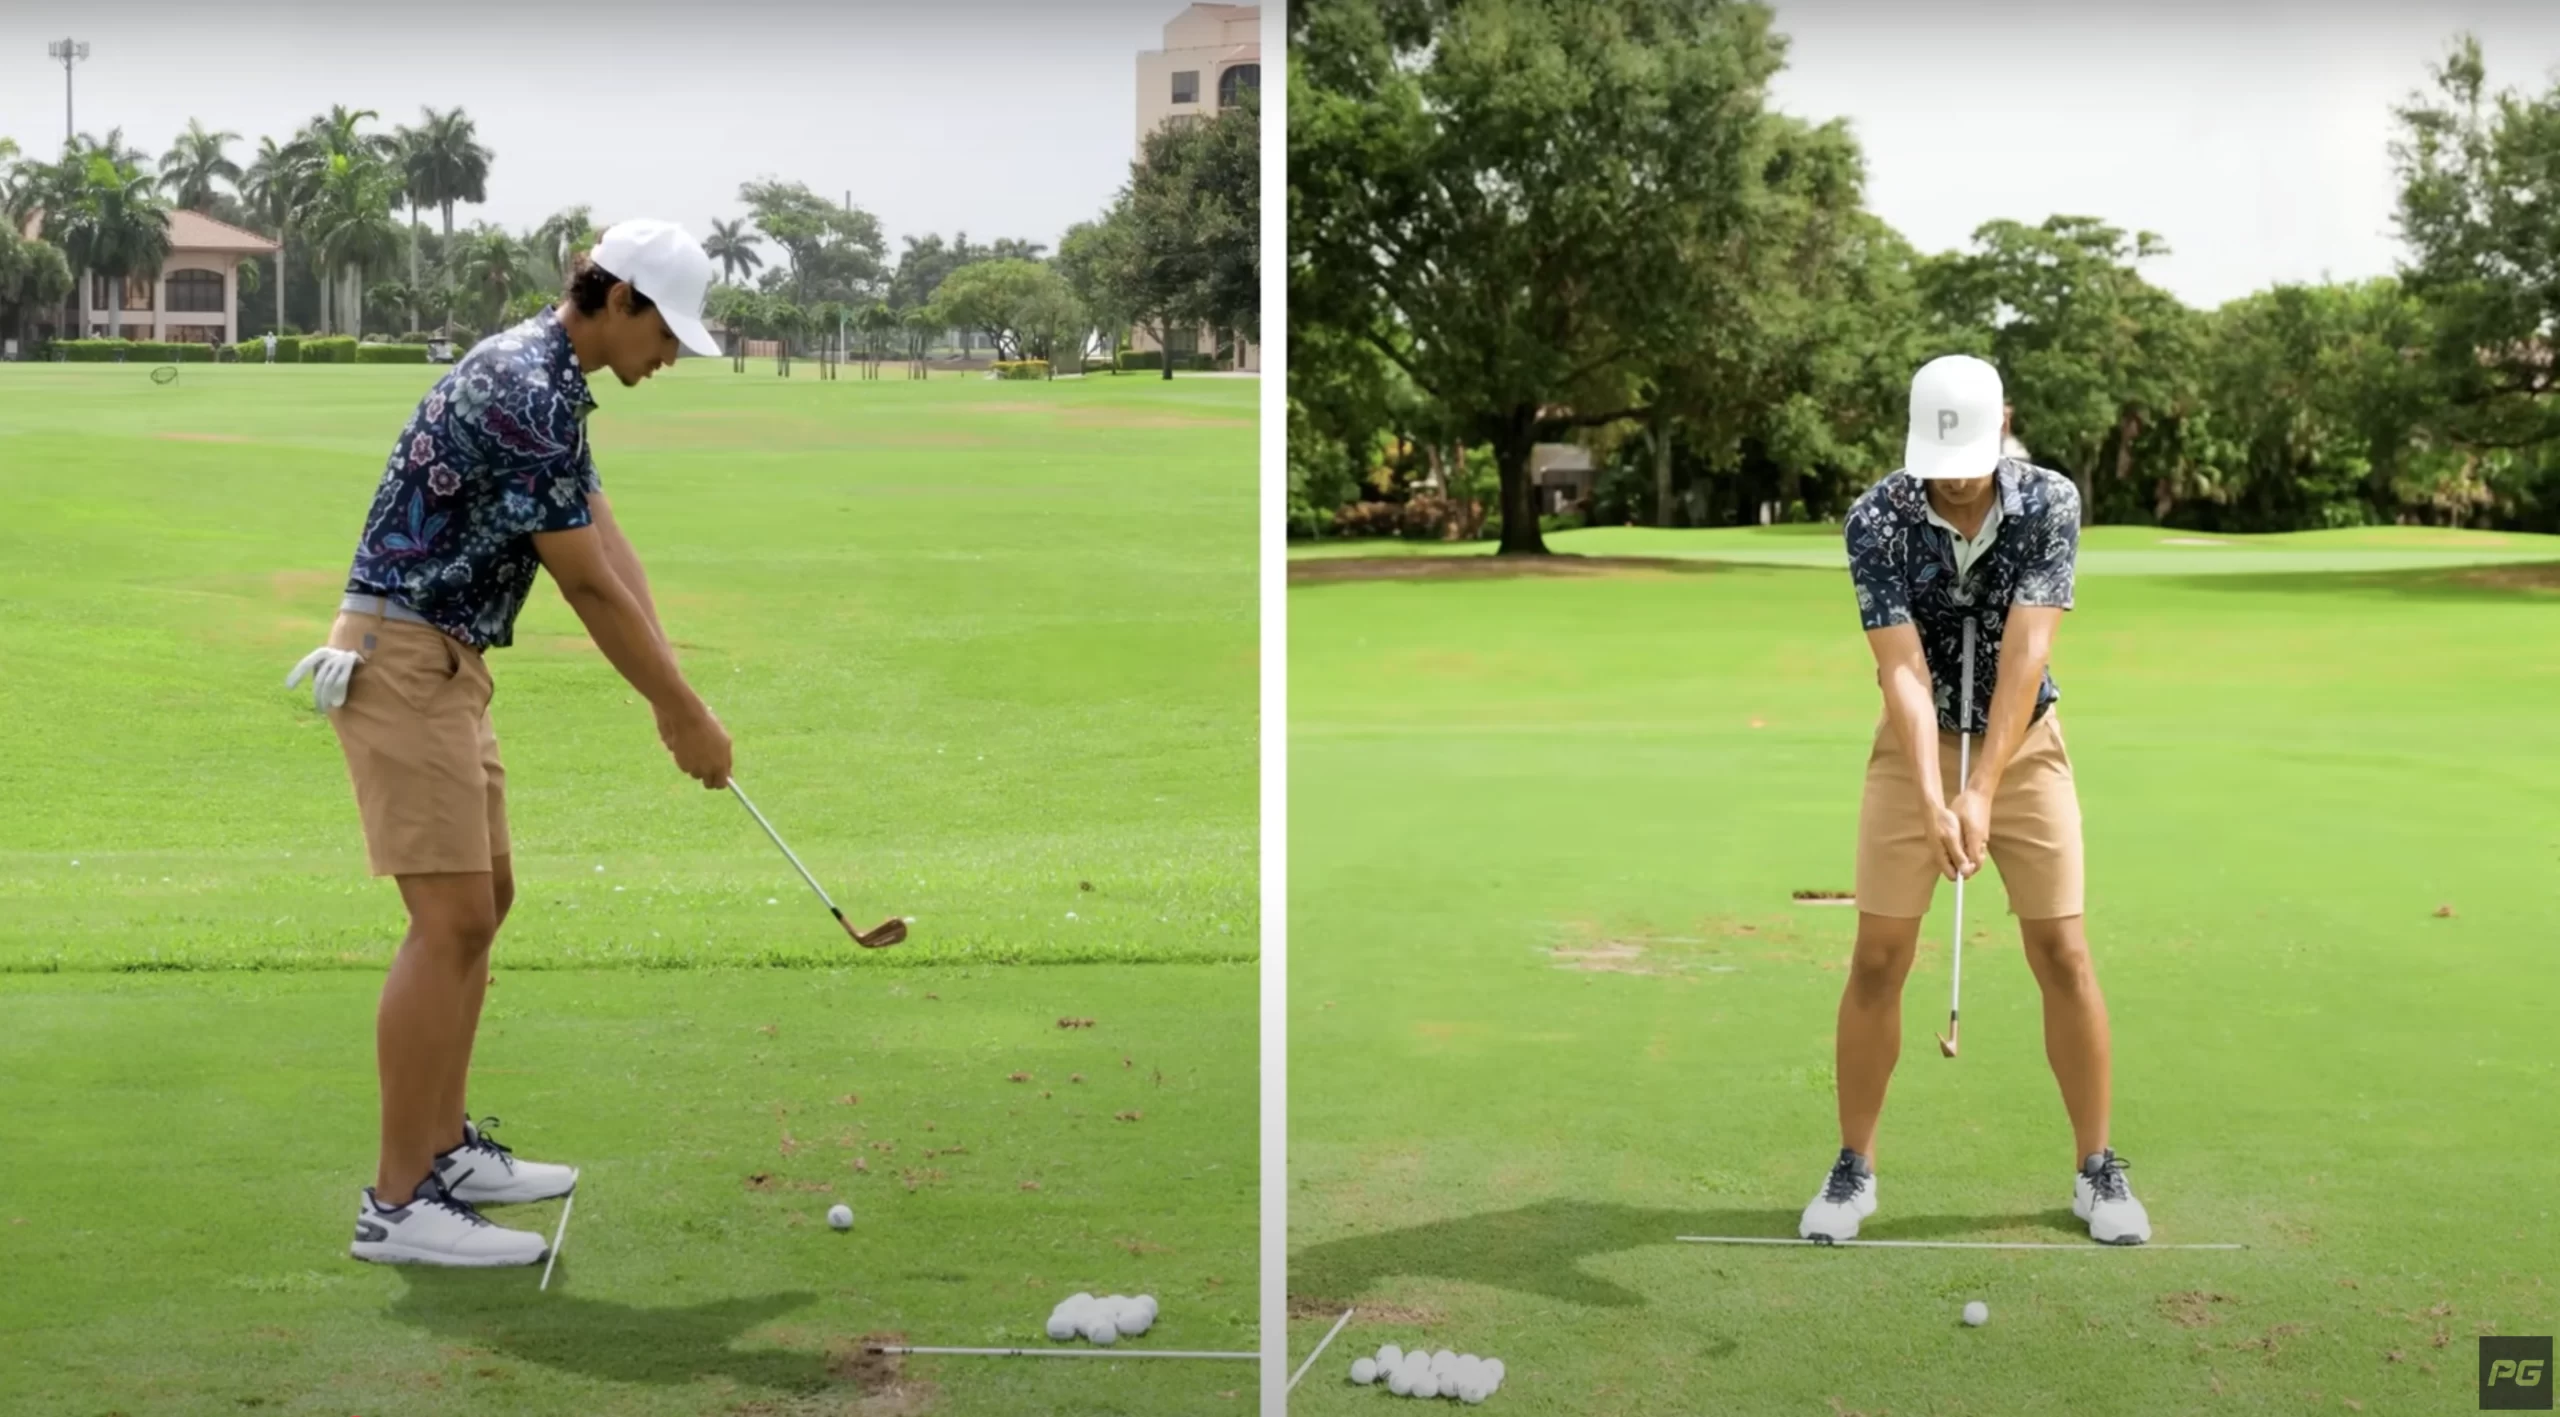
<point x="536" y="453"/>
<point x="2052" y="553"/>
<point x="1875" y="566"/>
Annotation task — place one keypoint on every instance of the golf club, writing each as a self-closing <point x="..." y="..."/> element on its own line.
<point x="560" y="1236"/>
<point x="879" y="937"/>
<point x="1964" y="770"/>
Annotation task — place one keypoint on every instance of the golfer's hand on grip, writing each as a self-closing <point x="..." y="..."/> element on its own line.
<point x="1946" y="830"/>
<point x="698" y="743"/>
<point x="1973" y="814"/>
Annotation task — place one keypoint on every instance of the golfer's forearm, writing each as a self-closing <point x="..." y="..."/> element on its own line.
<point x="2013" y="700"/>
<point x="1913" y="712"/>
<point x="620" y="627"/>
<point x="626" y="564"/>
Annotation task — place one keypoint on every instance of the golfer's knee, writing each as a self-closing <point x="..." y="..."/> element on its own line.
<point x="2060" y="953"/>
<point x="462" y="937"/>
<point x="1875" y="976"/>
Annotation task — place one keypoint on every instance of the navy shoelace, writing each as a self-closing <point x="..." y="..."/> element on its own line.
<point x="2107" y="1182"/>
<point x="478" y="1139"/>
<point x="1842" y="1186"/>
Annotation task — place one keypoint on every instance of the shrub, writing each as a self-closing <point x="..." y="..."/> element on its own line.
<point x="391" y="354"/>
<point x="93" y="351"/>
<point x="329" y="349"/>
<point x="288" y="349"/>
<point x="1022" y="368"/>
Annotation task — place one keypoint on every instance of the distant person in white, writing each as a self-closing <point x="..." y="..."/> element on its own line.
<point x="271" y="346"/>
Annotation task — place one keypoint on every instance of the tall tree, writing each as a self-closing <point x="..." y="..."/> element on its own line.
<point x="1496" y="194"/>
<point x="734" y="247"/>
<point x="276" y="186"/>
<point x="117" y="227"/>
<point x="350" y="223"/>
<point x="446" y="163"/>
<point x="2480" y="186"/>
<point x="33" y="276"/>
<point x="195" y="163"/>
<point x="2091" y="353"/>
<point x="835" y="251"/>
<point x="492" y="267"/>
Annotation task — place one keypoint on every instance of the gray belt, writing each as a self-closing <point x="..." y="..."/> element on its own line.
<point x="383" y="606"/>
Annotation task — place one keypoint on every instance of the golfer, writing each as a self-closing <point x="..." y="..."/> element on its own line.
<point x="490" y="479"/>
<point x="1966" y="532"/>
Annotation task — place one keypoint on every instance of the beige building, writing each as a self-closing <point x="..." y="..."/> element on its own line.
<point x="1211" y="54"/>
<point x="196" y="298"/>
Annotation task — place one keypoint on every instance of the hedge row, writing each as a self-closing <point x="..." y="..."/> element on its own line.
<point x="136" y="351"/>
<point x="1154" y="359"/>
<point x="1022" y="368"/>
<point x="391" y="354"/>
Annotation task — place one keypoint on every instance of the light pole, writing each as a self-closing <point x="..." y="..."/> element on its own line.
<point x="69" y="52"/>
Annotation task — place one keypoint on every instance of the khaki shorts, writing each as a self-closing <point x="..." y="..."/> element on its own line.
<point x="2035" y="828"/>
<point x="420" y="748"/>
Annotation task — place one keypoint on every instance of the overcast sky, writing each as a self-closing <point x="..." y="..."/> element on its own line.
<point x="2252" y="134"/>
<point x="1001" y="117"/>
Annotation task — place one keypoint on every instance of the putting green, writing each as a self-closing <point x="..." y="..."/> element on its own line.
<point x="1552" y="1004"/>
<point x="988" y="653"/>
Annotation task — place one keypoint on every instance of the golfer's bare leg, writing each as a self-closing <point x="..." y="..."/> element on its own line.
<point x="475" y="992"/>
<point x="2075" y="1025"/>
<point x="417" y="1031"/>
<point x="1869" y="1037"/>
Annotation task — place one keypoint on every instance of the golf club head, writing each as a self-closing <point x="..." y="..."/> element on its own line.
<point x="879" y="937"/>
<point x="1947" y="1043"/>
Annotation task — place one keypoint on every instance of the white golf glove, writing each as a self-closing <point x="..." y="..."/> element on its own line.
<point x="328" y="669"/>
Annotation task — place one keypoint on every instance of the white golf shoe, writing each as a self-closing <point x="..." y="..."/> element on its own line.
<point x="2100" y="1196"/>
<point x="483" y="1172"/>
<point x="434" y="1228"/>
<point x="1848" y="1196"/>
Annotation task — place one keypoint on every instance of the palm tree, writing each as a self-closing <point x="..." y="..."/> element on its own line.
<point x="734" y="247"/>
<point x="276" y="186"/>
<point x="118" y="227"/>
<point x="561" y="236"/>
<point x="351" y="224"/>
<point x="195" y="162"/>
<point x="446" y="163"/>
<point x="491" y="265"/>
<point x="113" y="147"/>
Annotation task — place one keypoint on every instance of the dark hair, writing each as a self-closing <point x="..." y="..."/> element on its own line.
<point x="591" y="285"/>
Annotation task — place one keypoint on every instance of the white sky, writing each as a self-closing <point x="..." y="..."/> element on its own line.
<point x="1000" y="117"/>
<point x="2251" y="134"/>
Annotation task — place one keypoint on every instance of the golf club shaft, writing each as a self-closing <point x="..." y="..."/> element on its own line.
<point x="1964" y="773"/>
<point x="560" y="1236"/>
<point x="786" y="847"/>
<point x="901" y="1348"/>
<point x="1320" y="1348"/>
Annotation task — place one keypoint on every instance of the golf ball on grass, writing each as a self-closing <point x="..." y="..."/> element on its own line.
<point x="1400" y="1382"/>
<point x="841" y="1217"/>
<point x="1364" y="1371"/>
<point x="1977" y="1313"/>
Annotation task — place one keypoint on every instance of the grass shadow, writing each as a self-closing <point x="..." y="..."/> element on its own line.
<point x="613" y="1342"/>
<point x="2505" y="583"/>
<point x="1541" y="1249"/>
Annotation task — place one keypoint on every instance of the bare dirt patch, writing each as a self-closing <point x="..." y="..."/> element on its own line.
<point x="1319" y="570"/>
<point x="2537" y="576"/>
<point x="2192" y="1308"/>
<point x="1311" y="1307"/>
<point x="881" y="1378"/>
<point x="1604" y="957"/>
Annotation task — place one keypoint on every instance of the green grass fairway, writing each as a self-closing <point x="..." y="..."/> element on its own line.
<point x="988" y="654"/>
<point x="1551" y="1003"/>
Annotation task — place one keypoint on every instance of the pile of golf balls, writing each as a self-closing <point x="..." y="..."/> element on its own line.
<point x="1464" y="1376"/>
<point x="1103" y="1321"/>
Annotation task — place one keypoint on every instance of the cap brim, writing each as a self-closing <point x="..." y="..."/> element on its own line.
<point x="1929" y="460"/>
<point x="691" y="334"/>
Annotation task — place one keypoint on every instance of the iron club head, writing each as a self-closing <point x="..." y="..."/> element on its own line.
<point x="879" y="937"/>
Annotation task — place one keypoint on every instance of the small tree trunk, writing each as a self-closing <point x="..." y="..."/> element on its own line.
<point x="1520" y="534"/>
<point x="1662" y="471"/>
<point x="279" y="282"/>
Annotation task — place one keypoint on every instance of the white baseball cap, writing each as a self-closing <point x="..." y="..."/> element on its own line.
<point x="661" y="260"/>
<point x="1956" y="404"/>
